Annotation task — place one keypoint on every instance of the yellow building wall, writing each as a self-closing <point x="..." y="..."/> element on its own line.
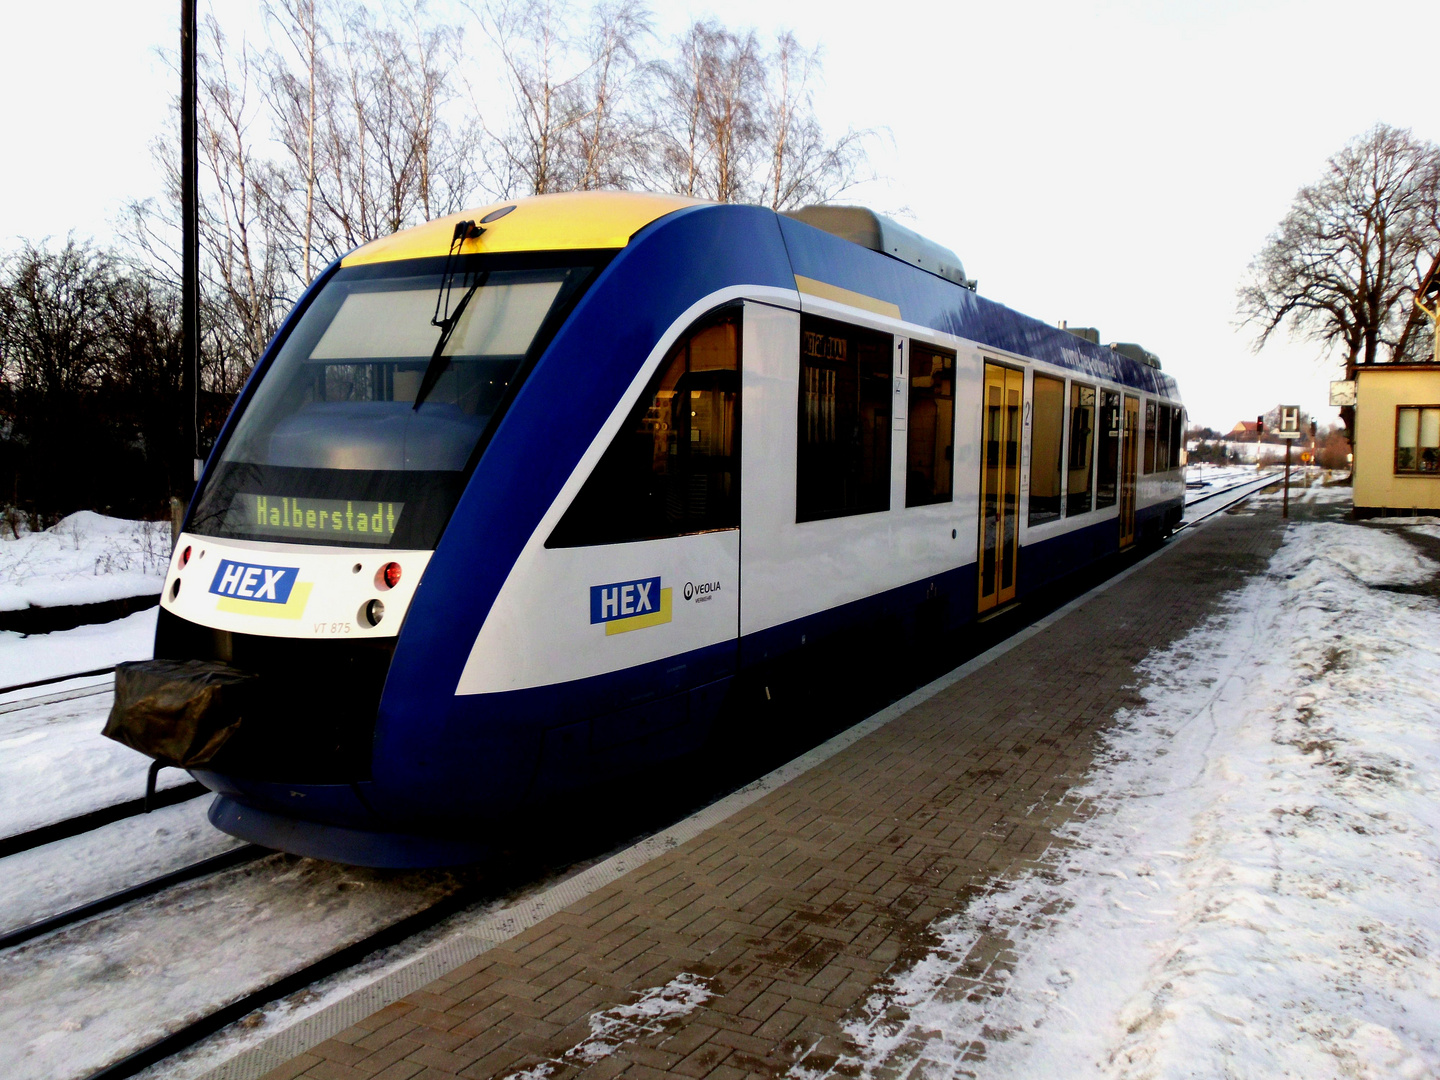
<point x="1378" y="393"/>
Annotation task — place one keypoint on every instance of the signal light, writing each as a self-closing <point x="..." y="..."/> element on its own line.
<point x="390" y="574"/>
<point x="185" y="555"/>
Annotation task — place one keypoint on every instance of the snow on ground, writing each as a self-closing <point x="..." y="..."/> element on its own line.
<point x="63" y="875"/>
<point x="54" y="763"/>
<point x="26" y="658"/>
<point x="77" y="999"/>
<point x="85" y="559"/>
<point x="1251" y="890"/>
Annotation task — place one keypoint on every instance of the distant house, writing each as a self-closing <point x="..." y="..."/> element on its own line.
<point x="1397" y="439"/>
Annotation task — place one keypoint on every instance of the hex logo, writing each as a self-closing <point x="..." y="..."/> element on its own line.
<point x="629" y="605"/>
<point x="247" y="589"/>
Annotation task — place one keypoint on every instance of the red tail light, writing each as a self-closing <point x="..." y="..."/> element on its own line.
<point x="390" y="574"/>
<point x="185" y="555"/>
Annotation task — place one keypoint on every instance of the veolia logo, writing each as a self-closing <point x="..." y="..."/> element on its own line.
<point x="702" y="591"/>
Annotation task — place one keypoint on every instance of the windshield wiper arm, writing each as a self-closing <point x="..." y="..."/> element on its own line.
<point x="464" y="230"/>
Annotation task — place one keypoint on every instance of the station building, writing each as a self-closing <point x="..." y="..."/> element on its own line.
<point x="1397" y="439"/>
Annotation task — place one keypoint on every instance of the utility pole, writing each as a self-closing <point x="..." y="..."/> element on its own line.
<point x="190" y="244"/>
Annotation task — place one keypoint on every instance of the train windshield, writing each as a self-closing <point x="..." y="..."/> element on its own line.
<point x="361" y="432"/>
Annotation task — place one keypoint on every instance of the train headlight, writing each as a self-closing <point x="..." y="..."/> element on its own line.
<point x="373" y="612"/>
<point x="389" y="575"/>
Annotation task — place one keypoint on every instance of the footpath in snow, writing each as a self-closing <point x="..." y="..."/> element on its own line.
<point x="1252" y="892"/>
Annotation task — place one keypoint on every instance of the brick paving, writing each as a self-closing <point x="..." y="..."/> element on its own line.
<point x="792" y="910"/>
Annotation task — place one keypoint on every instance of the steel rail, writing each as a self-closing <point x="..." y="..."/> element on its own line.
<point x="95" y="819"/>
<point x="56" y="679"/>
<point x="224" y="861"/>
<point x="347" y="956"/>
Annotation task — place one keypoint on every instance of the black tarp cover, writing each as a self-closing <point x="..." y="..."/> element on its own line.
<point x="179" y="712"/>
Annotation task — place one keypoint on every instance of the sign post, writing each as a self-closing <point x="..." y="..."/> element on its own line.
<point x="1289" y="431"/>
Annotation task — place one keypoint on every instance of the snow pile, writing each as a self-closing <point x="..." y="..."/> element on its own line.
<point x="1252" y="890"/>
<point x="85" y="559"/>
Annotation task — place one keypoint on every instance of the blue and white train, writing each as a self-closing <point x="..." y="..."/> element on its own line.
<point x="519" y="498"/>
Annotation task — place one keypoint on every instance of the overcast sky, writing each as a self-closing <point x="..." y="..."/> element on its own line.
<point x="1112" y="164"/>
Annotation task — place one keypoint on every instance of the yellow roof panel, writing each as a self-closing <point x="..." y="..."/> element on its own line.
<point x="569" y="221"/>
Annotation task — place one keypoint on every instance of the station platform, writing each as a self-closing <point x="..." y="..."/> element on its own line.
<point x="739" y="945"/>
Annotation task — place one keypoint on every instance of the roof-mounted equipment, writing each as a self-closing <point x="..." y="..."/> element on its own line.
<point x="1136" y="352"/>
<point x="863" y="226"/>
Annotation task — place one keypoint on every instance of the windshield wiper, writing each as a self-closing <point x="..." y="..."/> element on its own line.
<point x="444" y="318"/>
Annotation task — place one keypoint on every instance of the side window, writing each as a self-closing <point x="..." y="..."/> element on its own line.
<point x="1152" y="434"/>
<point x="1417" y="439"/>
<point x="1162" y="445"/>
<point x="1108" y="467"/>
<point x="1047" y="432"/>
<point x="1082" y="448"/>
<point x="930" y="430"/>
<point x="1177" y="435"/>
<point x="842" y="461"/>
<point x="675" y="466"/>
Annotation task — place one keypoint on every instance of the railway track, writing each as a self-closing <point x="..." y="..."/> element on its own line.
<point x="347" y="955"/>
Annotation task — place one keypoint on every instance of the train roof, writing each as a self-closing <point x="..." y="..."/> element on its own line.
<point x="852" y="255"/>
<point x="570" y="221"/>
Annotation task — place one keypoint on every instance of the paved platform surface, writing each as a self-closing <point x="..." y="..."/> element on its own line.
<point x="789" y="912"/>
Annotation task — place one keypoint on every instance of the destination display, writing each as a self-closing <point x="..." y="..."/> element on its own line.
<point x="337" y="519"/>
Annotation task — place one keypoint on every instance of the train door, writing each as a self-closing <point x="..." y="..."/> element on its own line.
<point x="999" y="484"/>
<point x="1129" y="460"/>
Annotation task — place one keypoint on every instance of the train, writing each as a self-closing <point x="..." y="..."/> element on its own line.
<point x="526" y="497"/>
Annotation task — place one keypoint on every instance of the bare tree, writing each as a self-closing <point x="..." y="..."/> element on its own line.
<point x="709" y="114"/>
<point x="1341" y="267"/>
<point x="804" y="167"/>
<point x="240" y="220"/>
<point x="296" y="96"/>
<point x="608" y="142"/>
<point x="531" y="40"/>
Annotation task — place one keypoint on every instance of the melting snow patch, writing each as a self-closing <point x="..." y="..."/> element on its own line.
<point x="1251" y="893"/>
<point x="612" y="1028"/>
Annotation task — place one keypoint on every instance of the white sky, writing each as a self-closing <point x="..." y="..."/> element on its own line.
<point x="1113" y="164"/>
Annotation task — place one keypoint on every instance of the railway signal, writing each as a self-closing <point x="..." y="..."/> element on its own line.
<point x="1289" y="430"/>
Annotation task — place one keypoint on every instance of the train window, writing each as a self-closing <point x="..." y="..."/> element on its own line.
<point x="1108" y="467"/>
<point x="843" y="455"/>
<point x="1047" y="433"/>
<point x="1082" y="449"/>
<point x="358" y="432"/>
<point x="675" y="466"/>
<point x="1177" y="435"/>
<point x="1152" y="434"/>
<point x="930" y="430"/>
<point x="1162" y="442"/>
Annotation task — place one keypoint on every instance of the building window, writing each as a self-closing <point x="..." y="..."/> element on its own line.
<point x="842" y="461"/>
<point x="675" y="466"/>
<point x="1417" y="439"/>
<point x="1079" y="493"/>
<point x="930" y="430"/>
<point x="1047" y="434"/>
